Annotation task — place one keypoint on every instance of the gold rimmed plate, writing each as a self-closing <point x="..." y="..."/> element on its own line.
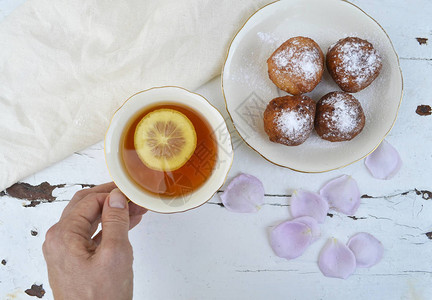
<point x="247" y="88"/>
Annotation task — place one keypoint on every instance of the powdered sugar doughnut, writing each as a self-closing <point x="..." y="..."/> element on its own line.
<point x="339" y="117"/>
<point x="297" y="65"/>
<point x="353" y="63"/>
<point x="289" y="120"/>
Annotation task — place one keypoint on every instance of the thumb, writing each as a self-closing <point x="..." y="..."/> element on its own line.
<point x="115" y="220"/>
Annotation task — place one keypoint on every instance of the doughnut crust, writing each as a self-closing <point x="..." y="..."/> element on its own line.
<point x="353" y="64"/>
<point x="339" y="117"/>
<point x="289" y="120"/>
<point x="297" y="65"/>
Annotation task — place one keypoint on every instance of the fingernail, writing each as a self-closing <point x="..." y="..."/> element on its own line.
<point x="117" y="199"/>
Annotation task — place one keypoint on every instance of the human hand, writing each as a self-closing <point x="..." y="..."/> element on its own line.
<point x="82" y="267"/>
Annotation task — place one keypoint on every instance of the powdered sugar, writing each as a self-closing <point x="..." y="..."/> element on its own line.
<point x="301" y="62"/>
<point x="295" y="126"/>
<point x="359" y="61"/>
<point x="268" y="38"/>
<point x="345" y="118"/>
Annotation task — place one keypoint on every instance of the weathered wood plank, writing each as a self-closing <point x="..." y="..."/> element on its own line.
<point x="193" y="255"/>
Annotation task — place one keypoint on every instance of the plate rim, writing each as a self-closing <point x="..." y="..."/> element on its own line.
<point x="288" y="167"/>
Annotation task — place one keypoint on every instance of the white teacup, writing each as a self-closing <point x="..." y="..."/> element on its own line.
<point x="175" y="95"/>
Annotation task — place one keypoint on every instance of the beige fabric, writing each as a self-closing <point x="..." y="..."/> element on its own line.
<point x="66" y="65"/>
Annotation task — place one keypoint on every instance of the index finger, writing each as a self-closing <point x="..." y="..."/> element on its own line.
<point x="83" y="216"/>
<point x="102" y="188"/>
<point x="136" y="210"/>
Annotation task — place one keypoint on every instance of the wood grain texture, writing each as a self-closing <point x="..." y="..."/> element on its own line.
<point x="210" y="253"/>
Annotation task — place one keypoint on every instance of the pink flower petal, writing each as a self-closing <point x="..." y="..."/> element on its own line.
<point x="304" y="203"/>
<point x="290" y="239"/>
<point x="244" y="194"/>
<point x="312" y="224"/>
<point x="384" y="162"/>
<point x="342" y="194"/>
<point x="336" y="260"/>
<point x="367" y="250"/>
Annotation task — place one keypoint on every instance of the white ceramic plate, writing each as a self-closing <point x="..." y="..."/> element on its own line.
<point x="247" y="88"/>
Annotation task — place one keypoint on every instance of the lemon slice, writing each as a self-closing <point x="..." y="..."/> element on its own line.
<point x="165" y="139"/>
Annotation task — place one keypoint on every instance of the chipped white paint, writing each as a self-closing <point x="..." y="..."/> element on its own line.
<point x="210" y="253"/>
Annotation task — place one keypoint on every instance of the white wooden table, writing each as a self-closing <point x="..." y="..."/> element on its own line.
<point x="211" y="253"/>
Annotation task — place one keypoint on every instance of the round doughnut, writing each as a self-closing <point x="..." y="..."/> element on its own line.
<point x="339" y="117"/>
<point x="353" y="64"/>
<point x="289" y="120"/>
<point x="297" y="65"/>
